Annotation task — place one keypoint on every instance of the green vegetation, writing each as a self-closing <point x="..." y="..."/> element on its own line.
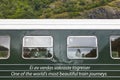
<point x="3" y="54"/>
<point x="115" y="54"/>
<point x="36" y="9"/>
<point x="37" y="53"/>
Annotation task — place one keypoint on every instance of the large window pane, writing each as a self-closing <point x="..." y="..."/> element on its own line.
<point x="4" y="47"/>
<point x="115" y="47"/>
<point x="82" y="47"/>
<point x="37" y="47"/>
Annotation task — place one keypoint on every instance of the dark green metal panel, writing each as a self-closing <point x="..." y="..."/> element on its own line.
<point x="60" y="49"/>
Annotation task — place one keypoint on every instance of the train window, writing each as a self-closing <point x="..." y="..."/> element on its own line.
<point x="115" y="47"/>
<point x="37" y="47"/>
<point x="82" y="47"/>
<point x="4" y="47"/>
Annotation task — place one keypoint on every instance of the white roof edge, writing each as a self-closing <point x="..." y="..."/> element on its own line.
<point x="59" y="24"/>
<point x="58" y="21"/>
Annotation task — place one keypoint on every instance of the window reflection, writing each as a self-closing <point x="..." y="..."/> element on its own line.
<point x="37" y="47"/>
<point x="82" y="47"/>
